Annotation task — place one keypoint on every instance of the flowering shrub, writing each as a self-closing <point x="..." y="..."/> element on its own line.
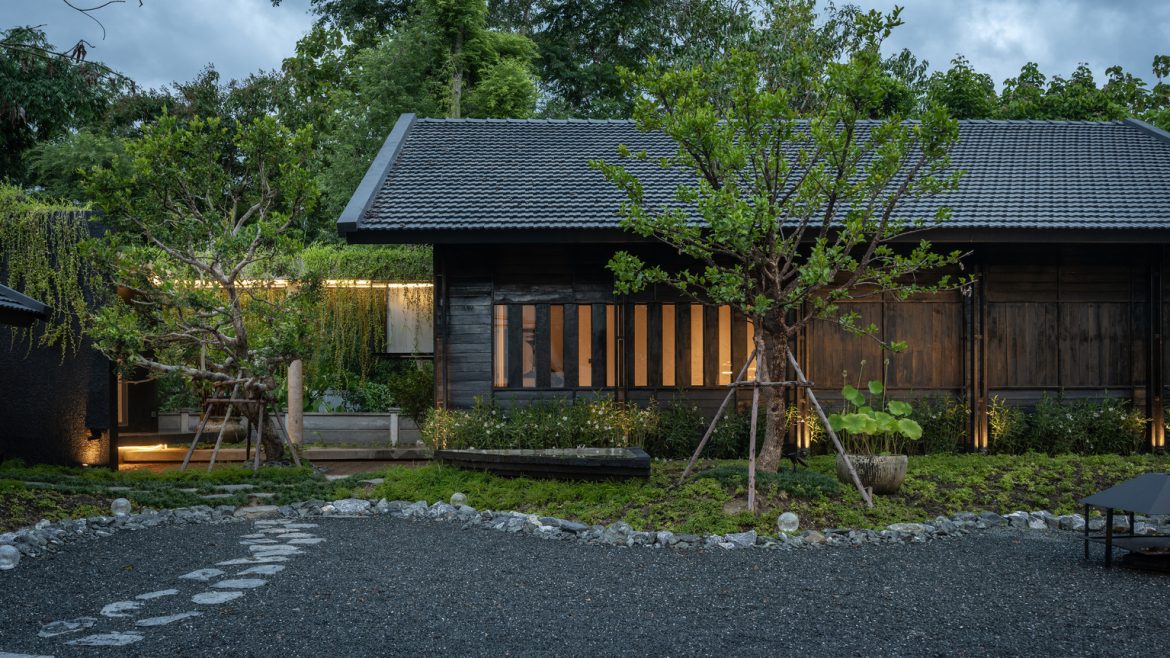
<point x="551" y="424"/>
<point x="1058" y="426"/>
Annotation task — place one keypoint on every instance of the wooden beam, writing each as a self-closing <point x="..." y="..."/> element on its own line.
<point x="682" y="345"/>
<point x="570" y="346"/>
<point x="542" y="345"/>
<point x="710" y="346"/>
<point x="599" y="356"/>
<point x="515" y="342"/>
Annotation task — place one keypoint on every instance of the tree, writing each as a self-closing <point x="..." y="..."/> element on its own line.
<point x="793" y="208"/>
<point x="963" y="91"/>
<point x="197" y="218"/>
<point x="43" y="97"/>
<point x="443" y="62"/>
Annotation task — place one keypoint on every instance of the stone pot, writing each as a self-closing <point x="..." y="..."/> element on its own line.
<point x="883" y="473"/>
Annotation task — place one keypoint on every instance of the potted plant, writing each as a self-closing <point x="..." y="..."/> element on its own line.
<point x="874" y="437"/>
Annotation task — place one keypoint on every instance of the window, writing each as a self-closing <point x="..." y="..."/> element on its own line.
<point x="696" y="344"/>
<point x="751" y="345"/>
<point x="668" y="347"/>
<point x="409" y="323"/>
<point x="500" y="323"/>
<point x="725" y="373"/>
<point x="528" y="345"/>
<point x="584" y="345"/>
<point x="640" y="356"/>
<point x="557" y="346"/>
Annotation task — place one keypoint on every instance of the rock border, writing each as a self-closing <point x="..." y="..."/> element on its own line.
<point x="47" y="537"/>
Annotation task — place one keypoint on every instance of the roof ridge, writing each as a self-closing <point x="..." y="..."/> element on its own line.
<point x="578" y="121"/>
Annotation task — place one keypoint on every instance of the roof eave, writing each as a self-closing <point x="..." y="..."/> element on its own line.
<point x="363" y="197"/>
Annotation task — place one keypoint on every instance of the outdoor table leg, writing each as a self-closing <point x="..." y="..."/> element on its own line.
<point x="1086" y="532"/>
<point x="1108" y="537"/>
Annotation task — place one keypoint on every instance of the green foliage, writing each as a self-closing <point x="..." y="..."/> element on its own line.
<point x="202" y="212"/>
<point x="865" y="428"/>
<point x="944" y="424"/>
<point x="966" y="93"/>
<point x="44" y="97"/>
<point x="799" y="483"/>
<point x="540" y="425"/>
<point x="413" y="391"/>
<point x="42" y="254"/>
<point x="1059" y="426"/>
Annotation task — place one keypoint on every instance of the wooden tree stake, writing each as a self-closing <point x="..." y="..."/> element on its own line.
<point x="812" y="398"/>
<point x="718" y="415"/>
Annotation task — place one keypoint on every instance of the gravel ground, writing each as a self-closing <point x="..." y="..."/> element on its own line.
<point x="382" y="586"/>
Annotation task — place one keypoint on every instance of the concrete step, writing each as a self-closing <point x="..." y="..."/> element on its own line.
<point x="154" y="454"/>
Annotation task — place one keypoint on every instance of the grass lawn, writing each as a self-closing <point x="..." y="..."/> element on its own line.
<point x="711" y="503"/>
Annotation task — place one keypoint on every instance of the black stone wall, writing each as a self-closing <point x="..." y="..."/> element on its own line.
<point x="51" y="407"/>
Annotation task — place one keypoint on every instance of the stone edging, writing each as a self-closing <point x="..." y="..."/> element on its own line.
<point x="48" y="537"/>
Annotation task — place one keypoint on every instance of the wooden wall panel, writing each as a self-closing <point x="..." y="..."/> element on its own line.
<point x="933" y="333"/>
<point x="1022" y="348"/>
<point x="834" y="351"/>
<point x="1096" y="347"/>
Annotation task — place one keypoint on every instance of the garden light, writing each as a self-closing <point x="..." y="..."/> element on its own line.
<point x="9" y="557"/>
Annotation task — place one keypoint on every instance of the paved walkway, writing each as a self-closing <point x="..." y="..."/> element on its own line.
<point x="382" y="586"/>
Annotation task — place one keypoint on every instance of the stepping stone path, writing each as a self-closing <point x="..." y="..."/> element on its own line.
<point x="262" y="542"/>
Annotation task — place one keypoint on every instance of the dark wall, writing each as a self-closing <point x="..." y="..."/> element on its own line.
<point x="50" y="407"/>
<point x="1074" y="319"/>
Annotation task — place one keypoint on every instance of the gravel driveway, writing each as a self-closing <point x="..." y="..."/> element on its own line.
<point x="383" y="586"/>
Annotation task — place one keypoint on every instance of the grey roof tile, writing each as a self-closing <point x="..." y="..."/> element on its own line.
<point x="14" y="303"/>
<point x="519" y="174"/>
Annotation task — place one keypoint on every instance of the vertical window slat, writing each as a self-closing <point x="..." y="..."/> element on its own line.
<point x="682" y="344"/>
<point x="529" y="345"/>
<point x="542" y="345"/>
<point x="599" y="358"/>
<point x="725" y="373"/>
<point x="515" y="349"/>
<point x="669" y="350"/>
<point x="569" y="340"/>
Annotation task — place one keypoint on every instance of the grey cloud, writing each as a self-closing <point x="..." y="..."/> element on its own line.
<point x="167" y="40"/>
<point x="1000" y="36"/>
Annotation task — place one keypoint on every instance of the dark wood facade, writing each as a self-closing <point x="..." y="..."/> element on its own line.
<point x="1081" y="319"/>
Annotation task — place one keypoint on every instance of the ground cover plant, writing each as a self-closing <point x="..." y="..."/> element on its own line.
<point x="31" y="493"/>
<point x="712" y="502"/>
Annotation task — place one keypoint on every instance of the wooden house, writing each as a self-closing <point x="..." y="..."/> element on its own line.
<point x="1067" y="224"/>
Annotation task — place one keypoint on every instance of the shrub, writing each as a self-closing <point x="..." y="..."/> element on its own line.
<point x="944" y="424"/>
<point x="413" y="391"/>
<point x="1058" y="426"/>
<point x="540" y="425"/>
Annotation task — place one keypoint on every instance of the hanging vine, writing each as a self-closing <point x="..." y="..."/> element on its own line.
<point x="42" y="256"/>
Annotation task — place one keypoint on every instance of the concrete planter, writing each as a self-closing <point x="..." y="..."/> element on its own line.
<point x="376" y="429"/>
<point x="883" y="473"/>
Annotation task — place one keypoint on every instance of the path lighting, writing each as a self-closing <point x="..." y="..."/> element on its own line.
<point x="9" y="557"/>
<point x="120" y="507"/>
<point x="788" y="522"/>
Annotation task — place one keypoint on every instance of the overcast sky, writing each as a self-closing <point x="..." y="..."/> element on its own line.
<point x="167" y="40"/>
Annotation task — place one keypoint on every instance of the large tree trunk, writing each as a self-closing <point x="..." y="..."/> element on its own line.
<point x="457" y="77"/>
<point x="773" y="366"/>
<point x="271" y="441"/>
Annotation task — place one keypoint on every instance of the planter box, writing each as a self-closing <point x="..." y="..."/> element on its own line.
<point x="379" y="429"/>
<point x="572" y="464"/>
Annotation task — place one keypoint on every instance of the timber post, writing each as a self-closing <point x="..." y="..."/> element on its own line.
<point x="296" y="403"/>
